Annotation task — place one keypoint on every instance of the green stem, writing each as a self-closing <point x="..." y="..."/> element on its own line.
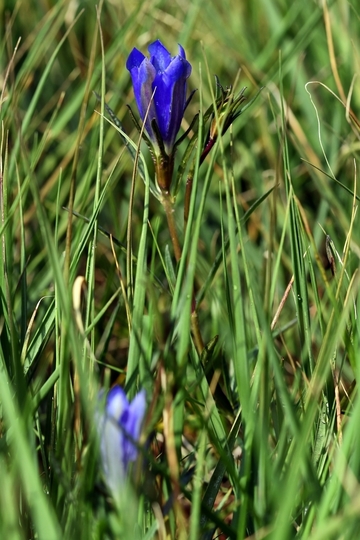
<point x="195" y="329"/>
<point x="188" y="190"/>
<point x="168" y="205"/>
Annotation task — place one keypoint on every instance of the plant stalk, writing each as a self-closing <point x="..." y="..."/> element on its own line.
<point x="168" y="205"/>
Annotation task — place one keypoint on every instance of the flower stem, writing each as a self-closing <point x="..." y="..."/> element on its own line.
<point x="168" y="205"/>
<point x="195" y="328"/>
<point x="166" y="201"/>
<point x="188" y="190"/>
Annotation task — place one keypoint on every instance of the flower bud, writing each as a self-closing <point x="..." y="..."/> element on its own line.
<point x="167" y="76"/>
<point x="119" y="431"/>
<point x="160" y="92"/>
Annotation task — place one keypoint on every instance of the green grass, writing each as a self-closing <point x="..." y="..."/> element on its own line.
<point x="257" y="437"/>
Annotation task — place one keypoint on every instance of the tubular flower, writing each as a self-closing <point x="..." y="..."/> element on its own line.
<point x="119" y="428"/>
<point x="167" y="76"/>
<point x="160" y="88"/>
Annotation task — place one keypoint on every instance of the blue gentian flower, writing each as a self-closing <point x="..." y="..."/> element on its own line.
<point x="168" y="76"/>
<point x="119" y="426"/>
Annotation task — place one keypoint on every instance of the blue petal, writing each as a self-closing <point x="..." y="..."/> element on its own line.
<point x="170" y="98"/>
<point x="111" y="438"/>
<point x="112" y="454"/>
<point x="116" y="402"/>
<point x="143" y="91"/>
<point x="135" y="59"/>
<point x="142" y="79"/>
<point x="160" y="56"/>
<point x="131" y="422"/>
<point x="182" y="52"/>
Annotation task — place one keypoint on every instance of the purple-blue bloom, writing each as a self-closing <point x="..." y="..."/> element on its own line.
<point x="168" y="75"/>
<point x="119" y="428"/>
